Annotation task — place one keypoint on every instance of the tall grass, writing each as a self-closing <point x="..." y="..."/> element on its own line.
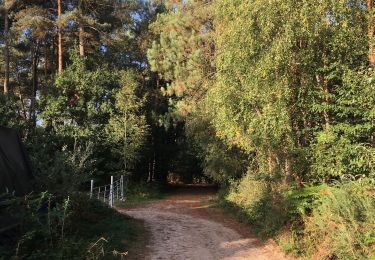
<point x="325" y="221"/>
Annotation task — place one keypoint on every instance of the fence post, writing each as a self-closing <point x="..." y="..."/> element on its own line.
<point x="111" y="193"/>
<point x="117" y="187"/>
<point x="122" y="187"/>
<point x="105" y="192"/>
<point x="92" y="188"/>
<point x="99" y="193"/>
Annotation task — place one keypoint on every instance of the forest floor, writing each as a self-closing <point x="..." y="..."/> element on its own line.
<point x="186" y="225"/>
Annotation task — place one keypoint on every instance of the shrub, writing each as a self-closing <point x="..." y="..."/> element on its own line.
<point x="261" y="204"/>
<point x="325" y="221"/>
<point x="342" y="222"/>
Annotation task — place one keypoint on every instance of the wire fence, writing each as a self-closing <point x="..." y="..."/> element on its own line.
<point x="109" y="193"/>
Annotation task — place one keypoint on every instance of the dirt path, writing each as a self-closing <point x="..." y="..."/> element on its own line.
<point x="183" y="226"/>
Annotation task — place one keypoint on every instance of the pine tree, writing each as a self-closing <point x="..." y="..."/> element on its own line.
<point x="59" y="39"/>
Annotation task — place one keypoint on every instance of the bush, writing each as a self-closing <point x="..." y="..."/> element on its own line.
<point x="74" y="227"/>
<point x="325" y="221"/>
<point x="260" y="203"/>
<point x="342" y="222"/>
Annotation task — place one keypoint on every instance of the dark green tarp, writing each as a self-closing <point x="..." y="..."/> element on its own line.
<point x="15" y="171"/>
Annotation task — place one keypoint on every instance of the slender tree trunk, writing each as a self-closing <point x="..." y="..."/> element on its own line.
<point x="288" y="177"/>
<point x="6" y="52"/>
<point x="326" y="99"/>
<point x="149" y="172"/>
<point x="81" y="40"/>
<point x="34" y="82"/>
<point x="59" y="39"/>
<point x="371" y="50"/>
<point x="326" y="91"/>
<point x="81" y="32"/>
<point x="125" y="144"/>
<point x="270" y="162"/>
<point x="370" y="33"/>
<point x="46" y="64"/>
<point x="153" y="168"/>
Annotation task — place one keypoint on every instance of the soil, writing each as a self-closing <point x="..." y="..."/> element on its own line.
<point x="186" y="226"/>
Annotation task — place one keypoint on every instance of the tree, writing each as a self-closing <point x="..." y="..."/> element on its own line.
<point x="183" y="52"/>
<point x="59" y="39"/>
<point x="127" y="127"/>
<point x="6" y="48"/>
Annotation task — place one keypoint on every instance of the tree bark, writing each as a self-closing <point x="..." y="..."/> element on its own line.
<point x="371" y="50"/>
<point x="46" y="62"/>
<point x="81" y="40"/>
<point x="326" y="100"/>
<point x="370" y="33"/>
<point x="81" y="32"/>
<point x="6" y="52"/>
<point x="59" y="36"/>
<point x="34" y="82"/>
<point x="326" y="88"/>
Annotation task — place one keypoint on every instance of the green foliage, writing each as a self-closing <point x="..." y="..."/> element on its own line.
<point x="96" y="111"/>
<point x="342" y="221"/>
<point x="54" y="227"/>
<point x="301" y="202"/>
<point x="334" y="221"/>
<point x="220" y="161"/>
<point x="336" y="156"/>
<point x="7" y="112"/>
<point x="183" y="51"/>
<point x="57" y="168"/>
<point x="127" y="129"/>
<point x="81" y="102"/>
<point x="259" y="204"/>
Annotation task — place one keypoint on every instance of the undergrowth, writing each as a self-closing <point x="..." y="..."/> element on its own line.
<point x="67" y="228"/>
<point x="324" y="221"/>
<point x="140" y="193"/>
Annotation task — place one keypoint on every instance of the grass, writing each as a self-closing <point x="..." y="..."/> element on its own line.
<point x="323" y="221"/>
<point x="107" y="234"/>
<point x="91" y="230"/>
<point x="138" y="194"/>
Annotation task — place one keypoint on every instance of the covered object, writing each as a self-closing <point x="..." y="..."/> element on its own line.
<point x="15" y="170"/>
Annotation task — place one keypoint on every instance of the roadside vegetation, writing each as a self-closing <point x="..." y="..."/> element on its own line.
<point x="75" y="228"/>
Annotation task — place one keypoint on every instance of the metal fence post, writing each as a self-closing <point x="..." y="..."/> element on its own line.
<point x="117" y="187"/>
<point x="92" y="188"/>
<point x="111" y="193"/>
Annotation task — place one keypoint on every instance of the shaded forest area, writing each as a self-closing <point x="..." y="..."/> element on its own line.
<point x="272" y="100"/>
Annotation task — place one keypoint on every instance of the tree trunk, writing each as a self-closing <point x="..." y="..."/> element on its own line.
<point x="326" y="99"/>
<point x="371" y="50"/>
<point x="59" y="36"/>
<point x="370" y="33"/>
<point x="81" y="31"/>
<point x="6" y="51"/>
<point x="46" y="63"/>
<point x="34" y="82"/>
<point x="153" y="169"/>
<point x="326" y="90"/>
<point x="81" y="40"/>
<point x="149" y="172"/>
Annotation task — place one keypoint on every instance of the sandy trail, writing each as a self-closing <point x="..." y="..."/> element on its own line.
<point x="183" y="226"/>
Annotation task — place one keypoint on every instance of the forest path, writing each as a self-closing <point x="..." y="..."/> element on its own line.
<point x="184" y="226"/>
